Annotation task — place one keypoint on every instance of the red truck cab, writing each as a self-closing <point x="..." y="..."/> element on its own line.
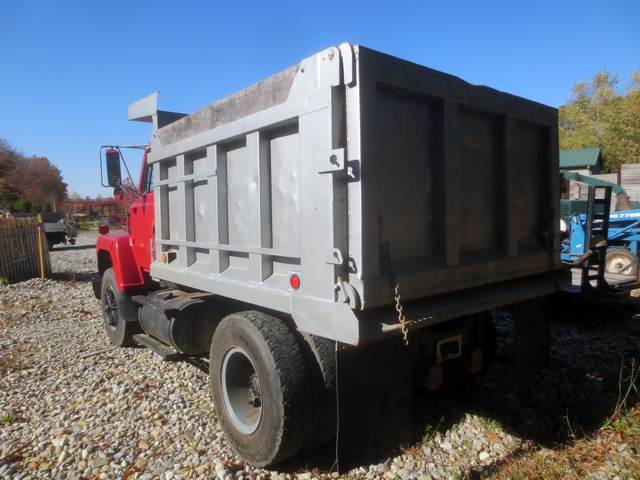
<point x="131" y="252"/>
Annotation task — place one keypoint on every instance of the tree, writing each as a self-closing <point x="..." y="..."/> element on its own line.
<point x="75" y="196"/>
<point x="28" y="183"/>
<point x="599" y="115"/>
<point x="40" y="181"/>
<point x="7" y="158"/>
<point x="129" y="195"/>
<point x="626" y="123"/>
<point x="8" y="195"/>
<point x="23" y="205"/>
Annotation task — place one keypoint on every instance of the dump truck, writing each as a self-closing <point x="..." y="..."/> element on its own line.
<point x="334" y="237"/>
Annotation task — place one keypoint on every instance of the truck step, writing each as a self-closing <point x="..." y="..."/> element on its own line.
<point x="167" y="352"/>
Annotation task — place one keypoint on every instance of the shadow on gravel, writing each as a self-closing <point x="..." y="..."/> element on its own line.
<point x="595" y="343"/>
<point x="68" y="248"/>
<point x="595" y="347"/>
<point x="74" y="276"/>
<point x="201" y="363"/>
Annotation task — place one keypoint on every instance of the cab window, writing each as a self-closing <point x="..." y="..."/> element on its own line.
<point x="147" y="180"/>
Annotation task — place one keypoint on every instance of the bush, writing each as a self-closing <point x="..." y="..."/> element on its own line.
<point x="22" y="206"/>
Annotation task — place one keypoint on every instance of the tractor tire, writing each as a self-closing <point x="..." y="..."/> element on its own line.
<point x="618" y="259"/>
<point x="260" y="387"/>
<point x="119" y="312"/>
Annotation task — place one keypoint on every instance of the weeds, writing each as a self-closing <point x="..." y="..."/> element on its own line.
<point x="627" y="387"/>
<point x="614" y="444"/>
<point x="7" y="419"/>
<point x="11" y="365"/>
<point x="4" y="281"/>
<point x="430" y="433"/>
<point x="12" y="361"/>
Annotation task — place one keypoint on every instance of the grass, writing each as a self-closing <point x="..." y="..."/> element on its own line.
<point x="11" y="366"/>
<point x="430" y="433"/>
<point x="627" y="387"/>
<point x="612" y="450"/>
<point x="609" y="448"/>
<point x="7" y="419"/>
<point x="11" y="363"/>
<point x="4" y="281"/>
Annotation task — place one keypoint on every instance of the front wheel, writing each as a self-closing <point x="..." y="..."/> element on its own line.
<point x="119" y="312"/>
<point x="260" y="387"/>
<point x="622" y="261"/>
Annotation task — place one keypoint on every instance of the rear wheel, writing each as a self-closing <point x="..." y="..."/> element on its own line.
<point x="119" y="312"/>
<point x="260" y="387"/>
<point x="322" y="370"/>
<point x="620" y="260"/>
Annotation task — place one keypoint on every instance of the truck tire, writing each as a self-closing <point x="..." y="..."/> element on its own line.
<point x="321" y="363"/>
<point x="618" y="259"/>
<point x="260" y="387"/>
<point x="119" y="312"/>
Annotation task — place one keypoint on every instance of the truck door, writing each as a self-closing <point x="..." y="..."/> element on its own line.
<point x="141" y="219"/>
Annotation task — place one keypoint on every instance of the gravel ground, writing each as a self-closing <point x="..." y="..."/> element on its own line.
<point x="71" y="406"/>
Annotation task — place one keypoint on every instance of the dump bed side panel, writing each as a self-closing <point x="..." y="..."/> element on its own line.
<point x="460" y="180"/>
<point x="251" y="191"/>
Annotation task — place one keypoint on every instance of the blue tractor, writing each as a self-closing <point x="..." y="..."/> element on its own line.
<point x="622" y="239"/>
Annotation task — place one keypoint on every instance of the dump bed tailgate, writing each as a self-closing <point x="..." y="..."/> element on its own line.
<point x="460" y="181"/>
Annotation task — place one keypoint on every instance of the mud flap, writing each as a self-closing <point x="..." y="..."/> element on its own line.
<point x="97" y="288"/>
<point x="375" y="390"/>
<point x="532" y="342"/>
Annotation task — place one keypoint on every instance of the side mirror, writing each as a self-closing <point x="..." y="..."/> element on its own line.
<point x="114" y="175"/>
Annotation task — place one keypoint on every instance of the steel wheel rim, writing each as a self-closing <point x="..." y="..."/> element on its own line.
<point x="241" y="392"/>
<point x="111" y="307"/>
<point x="617" y="263"/>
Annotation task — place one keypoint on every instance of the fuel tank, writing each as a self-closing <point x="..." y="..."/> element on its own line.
<point x="185" y="321"/>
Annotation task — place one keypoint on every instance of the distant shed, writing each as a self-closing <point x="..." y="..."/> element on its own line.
<point x="585" y="161"/>
<point x="628" y="177"/>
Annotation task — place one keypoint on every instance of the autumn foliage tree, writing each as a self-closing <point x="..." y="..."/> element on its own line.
<point x="7" y="156"/>
<point x="28" y="183"/>
<point x="601" y="114"/>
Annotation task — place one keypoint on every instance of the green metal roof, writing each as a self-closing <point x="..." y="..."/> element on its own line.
<point x="582" y="158"/>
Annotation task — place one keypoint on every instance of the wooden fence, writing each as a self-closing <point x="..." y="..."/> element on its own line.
<point x="24" y="251"/>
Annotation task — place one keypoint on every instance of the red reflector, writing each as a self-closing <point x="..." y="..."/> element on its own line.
<point x="434" y="378"/>
<point x="294" y="281"/>
<point x="103" y="229"/>
<point x="476" y="361"/>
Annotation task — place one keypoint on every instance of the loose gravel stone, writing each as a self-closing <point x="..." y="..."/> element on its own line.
<point x="73" y="406"/>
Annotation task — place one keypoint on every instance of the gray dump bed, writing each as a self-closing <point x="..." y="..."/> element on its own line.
<point x="313" y="171"/>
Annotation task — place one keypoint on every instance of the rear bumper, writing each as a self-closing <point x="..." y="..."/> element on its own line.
<point x="382" y="322"/>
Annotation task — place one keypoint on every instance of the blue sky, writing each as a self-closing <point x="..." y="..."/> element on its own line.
<point x="70" y="68"/>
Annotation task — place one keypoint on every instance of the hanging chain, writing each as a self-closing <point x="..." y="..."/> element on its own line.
<point x="385" y="254"/>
